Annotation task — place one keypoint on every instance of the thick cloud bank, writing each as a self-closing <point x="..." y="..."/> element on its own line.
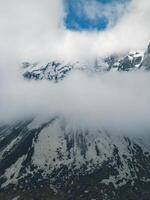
<point x="119" y="102"/>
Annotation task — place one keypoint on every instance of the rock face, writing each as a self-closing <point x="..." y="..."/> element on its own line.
<point x="51" y="71"/>
<point x="146" y="60"/>
<point x="131" y="61"/>
<point x="80" y="164"/>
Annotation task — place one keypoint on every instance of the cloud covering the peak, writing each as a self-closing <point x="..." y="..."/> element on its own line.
<point x="118" y="102"/>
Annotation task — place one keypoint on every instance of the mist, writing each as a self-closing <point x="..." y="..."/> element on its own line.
<point x="116" y="101"/>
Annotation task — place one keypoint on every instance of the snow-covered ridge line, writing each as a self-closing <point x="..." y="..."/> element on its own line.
<point x="56" y="71"/>
<point x="51" y="71"/>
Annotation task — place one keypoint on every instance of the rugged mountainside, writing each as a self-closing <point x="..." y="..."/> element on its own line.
<point x="57" y="71"/>
<point x="51" y="71"/>
<point x="82" y="164"/>
<point x="53" y="160"/>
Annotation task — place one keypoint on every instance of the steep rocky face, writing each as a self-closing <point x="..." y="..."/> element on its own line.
<point x="131" y="61"/>
<point x="146" y="60"/>
<point x="80" y="164"/>
<point x="51" y="71"/>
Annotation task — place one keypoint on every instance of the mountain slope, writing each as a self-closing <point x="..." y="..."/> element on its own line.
<point x="76" y="162"/>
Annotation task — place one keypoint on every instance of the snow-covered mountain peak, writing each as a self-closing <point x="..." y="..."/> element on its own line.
<point x="55" y="70"/>
<point x="51" y="71"/>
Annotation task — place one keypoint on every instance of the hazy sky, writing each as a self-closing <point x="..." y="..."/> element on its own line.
<point x="93" y="15"/>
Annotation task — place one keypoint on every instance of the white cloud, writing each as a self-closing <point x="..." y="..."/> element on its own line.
<point x="34" y="30"/>
<point x="130" y="33"/>
<point x="118" y="102"/>
<point x="28" y="26"/>
<point x="95" y="10"/>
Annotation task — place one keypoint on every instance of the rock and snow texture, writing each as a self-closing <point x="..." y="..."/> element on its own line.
<point x="57" y="155"/>
<point x="57" y="71"/>
<point x="146" y="60"/>
<point x="51" y="71"/>
<point x="132" y="61"/>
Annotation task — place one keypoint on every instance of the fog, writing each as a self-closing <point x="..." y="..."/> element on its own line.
<point x="119" y="102"/>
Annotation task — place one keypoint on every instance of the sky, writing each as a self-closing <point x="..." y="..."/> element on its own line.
<point x="45" y="30"/>
<point x="93" y="15"/>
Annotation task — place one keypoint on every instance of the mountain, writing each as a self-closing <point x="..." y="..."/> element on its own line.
<point x="54" y="70"/>
<point x="52" y="160"/>
<point x="51" y="71"/>
<point x="146" y="61"/>
<point x="72" y="163"/>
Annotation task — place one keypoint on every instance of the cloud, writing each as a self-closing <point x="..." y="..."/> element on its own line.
<point x="130" y="33"/>
<point x="32" y="30"/>
<point x="118" y="102"/>
<point x="111" y="11"/>
<point x="30" y="27"/>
